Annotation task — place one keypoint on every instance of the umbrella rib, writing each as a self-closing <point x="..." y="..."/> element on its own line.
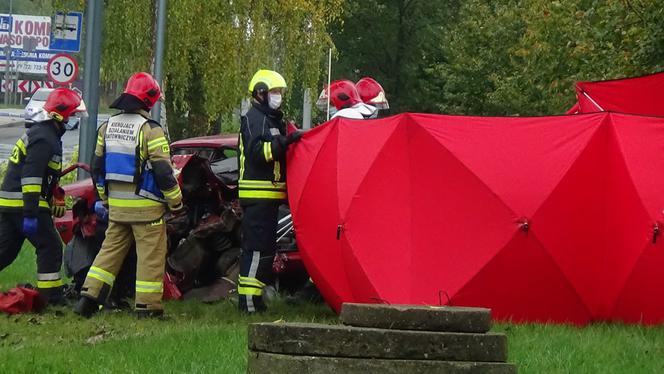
<point x="624" y="160"/>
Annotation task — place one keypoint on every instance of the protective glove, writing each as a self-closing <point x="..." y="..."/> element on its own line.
<point x="30" y="225"/>
<point x="294" y="137"/>
<point x="58" y="210"/>
<point x="58" y="206"/>
<point x="101" y="211"/>
<point x="177" y="210"/>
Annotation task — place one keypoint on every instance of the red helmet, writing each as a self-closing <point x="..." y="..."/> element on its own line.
<point x="372" y="93"/>
<point x="143" y="87"/>
<point x="343" y="94"/>
<point x="62" y="103"/>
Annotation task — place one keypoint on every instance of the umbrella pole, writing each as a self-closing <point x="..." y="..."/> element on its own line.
<point x="329" y="78"/>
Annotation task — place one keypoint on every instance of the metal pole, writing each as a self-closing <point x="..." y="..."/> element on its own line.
<point x="8" y="54"/>
<point x="88" y="129"/>
<point x="329" y="79"/>
<point x="306" y="110"/>
<point x="159" y="54"/>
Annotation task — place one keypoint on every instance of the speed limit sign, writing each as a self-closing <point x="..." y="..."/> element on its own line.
<point x="62" y="69"/>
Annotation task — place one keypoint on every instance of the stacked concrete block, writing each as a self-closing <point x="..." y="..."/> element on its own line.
<point x="382" y="339"/>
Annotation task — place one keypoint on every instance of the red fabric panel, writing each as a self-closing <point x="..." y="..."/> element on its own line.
<point x="523" y="273"/>
<point x="458" y="222"/>
<point x="641" y="95"/>
<point x="520" y="159"/>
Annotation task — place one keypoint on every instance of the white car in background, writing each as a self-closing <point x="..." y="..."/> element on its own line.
<point x="34" y="113"/>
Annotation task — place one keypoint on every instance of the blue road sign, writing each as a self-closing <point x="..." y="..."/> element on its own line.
<point x="66" y="32"/>
<point x="5" y="23"/>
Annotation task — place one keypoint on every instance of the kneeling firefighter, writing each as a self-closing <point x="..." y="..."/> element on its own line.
<point x="30" y="193"/>
<point x="263" y="141"/>
<point x="134" y="178"/>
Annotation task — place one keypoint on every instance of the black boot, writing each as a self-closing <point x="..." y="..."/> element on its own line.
<point x="146" y="313"/>
<point x="86" y="307"/>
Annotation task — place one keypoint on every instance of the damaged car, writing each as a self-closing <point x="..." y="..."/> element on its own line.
<point x="203" y="244"/>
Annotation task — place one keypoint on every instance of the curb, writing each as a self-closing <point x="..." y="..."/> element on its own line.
<point x="17" y="123"/>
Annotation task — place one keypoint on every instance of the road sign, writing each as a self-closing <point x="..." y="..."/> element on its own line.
<point x="66" y="32"/>
<point x="26" y="38"/>
<point x="28" y="86"/>
<point x="7" y="86"/>
<point x="62" y="69"/>
<point x="5" y="23"/>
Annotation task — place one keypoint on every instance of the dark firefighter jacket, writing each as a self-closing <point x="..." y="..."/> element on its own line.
<point x="262" y="156"/>
<point x="33" y="169"/>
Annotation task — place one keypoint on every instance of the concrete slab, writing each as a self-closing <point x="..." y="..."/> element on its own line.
<point x="361" y="342"/>
<point x="261" y="363"/>
<point x="417" y="317"/>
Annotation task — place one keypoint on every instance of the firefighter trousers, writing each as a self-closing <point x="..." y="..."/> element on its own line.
<point x="151" y="242"/>
<point x="259" y="235"/>
<point x="48" y="247"/>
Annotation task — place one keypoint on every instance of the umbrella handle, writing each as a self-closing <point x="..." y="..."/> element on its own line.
<point x="655" y="232"/>
<point x="340" y="229"/>
<point x="440" y="298"/>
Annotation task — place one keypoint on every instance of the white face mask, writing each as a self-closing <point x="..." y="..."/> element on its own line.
<point x="274" y="100"/>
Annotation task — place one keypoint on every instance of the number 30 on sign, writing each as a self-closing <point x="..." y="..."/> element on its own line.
<point x="62" y="69"/>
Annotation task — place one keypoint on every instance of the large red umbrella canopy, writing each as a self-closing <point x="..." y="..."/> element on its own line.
<point x="536" y="218"/>
<point x="638" y="95"/>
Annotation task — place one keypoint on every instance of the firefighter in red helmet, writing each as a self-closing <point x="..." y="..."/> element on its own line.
<point x="30" y="191"/>
<point x="372" y="93"/>
<point x="132" y="171"/>
<point x="345" y="101"/>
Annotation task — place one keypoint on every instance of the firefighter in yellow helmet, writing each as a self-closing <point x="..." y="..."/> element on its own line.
<point x="263" y="142"/>
<point x="132" y="171"/>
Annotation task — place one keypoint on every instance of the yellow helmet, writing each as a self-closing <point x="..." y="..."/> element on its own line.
<point x="269" y="79"/>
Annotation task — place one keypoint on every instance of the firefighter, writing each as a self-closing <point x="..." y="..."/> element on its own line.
<point x="263" y="141"/>
<point x="132" y="172"/>
<point x="345" y="101"/>
<point x="30" y="194"/>
<point x="372" y="93"/>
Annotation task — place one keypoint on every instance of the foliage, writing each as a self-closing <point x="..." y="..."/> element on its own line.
<point x="212" y="49"/>
<point x="545" y="46"/>
<point x="506" y="57"/>
<point x="394" y="41"/>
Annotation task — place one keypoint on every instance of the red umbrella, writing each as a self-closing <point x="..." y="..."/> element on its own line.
<point x="540" y="219"/>
<point x="638" y="95"/>
<point x="536" y="218"/>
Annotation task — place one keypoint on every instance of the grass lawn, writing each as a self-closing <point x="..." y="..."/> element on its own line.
<point x="212" y="339"/>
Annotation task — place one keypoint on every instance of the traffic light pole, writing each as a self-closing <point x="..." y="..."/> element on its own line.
<point x="88" y="128"/>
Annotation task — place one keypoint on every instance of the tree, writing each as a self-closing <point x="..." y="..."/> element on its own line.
<point x="394" y="41"/>
<point x="214" y="46"/>
<point x="488" y="57"/>
<point x="522" y="57"/>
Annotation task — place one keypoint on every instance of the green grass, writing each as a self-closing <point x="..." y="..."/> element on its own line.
<point x="202" y="338"/>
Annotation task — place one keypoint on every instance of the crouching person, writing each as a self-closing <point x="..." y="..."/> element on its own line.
<point x="132" y="171"/>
